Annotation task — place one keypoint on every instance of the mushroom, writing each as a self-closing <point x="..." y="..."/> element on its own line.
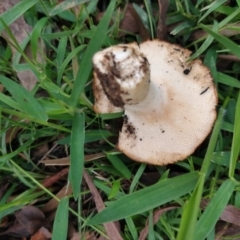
<point x="169" y="103"/>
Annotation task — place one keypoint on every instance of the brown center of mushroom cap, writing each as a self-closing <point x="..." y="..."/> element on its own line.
<point x="124" y="74"/>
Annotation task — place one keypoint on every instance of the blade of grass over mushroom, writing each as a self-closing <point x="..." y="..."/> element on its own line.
<point x="65" y="5"/>
<point x="77" y="154"/>
<point x="233" y="47"/>
<point x="86" y="62"/>
<point x="16" y="11"/>
<point x="236" y="140"/>
<point x="190" y="213"/>
<point x="25" y="99"/>
<point x="214" y="210"/>
<point x="137" y="202"/>
<point x="60" y="226"/>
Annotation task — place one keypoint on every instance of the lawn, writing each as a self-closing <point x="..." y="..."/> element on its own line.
<point x="62" y="175"/>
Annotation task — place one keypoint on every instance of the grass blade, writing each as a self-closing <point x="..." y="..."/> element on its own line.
<point x="16" y="11"/>
<point x="65" y="5"/>
<point x="25" y="99"/>
<point x="214" y="5"/>
<point x="228" y="80"/>
<point x="189" y="217"/>
<point x="214" y="209"/>
<point x="119" y="165"/>
<point x="77" y="153"/>
<point x="233" y="47"/>
<point x="93" y="46"/>
<point x="60" y="226"/>
<point x="147" y="198"/>
<point x="236" y="140"/>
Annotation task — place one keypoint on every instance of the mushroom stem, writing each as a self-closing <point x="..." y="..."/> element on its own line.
<point x="124" y="74"/>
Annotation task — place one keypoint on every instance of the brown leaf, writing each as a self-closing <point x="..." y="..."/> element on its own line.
<point x="132" y="23"/>
<point x="66" y="160"/>
<point x="231" y="214"/>
<point x="85" y="236"/>
<point x="42" y="234"/>
<point x="3" y="189"/>
<point x="48" y="182"/>
<point x="28" y="221"/>
<point x="227" y="231"/>
<point x="52" y="204"/>
<point x="111" y="228"/>
<point x="156" y="215"/>
<point x="20" y="30"/>
<point x="161" y="28"/>
<point x="1" y="88"/>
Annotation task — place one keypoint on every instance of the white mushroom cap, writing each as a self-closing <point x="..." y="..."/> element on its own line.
<point x="178" y="111"/>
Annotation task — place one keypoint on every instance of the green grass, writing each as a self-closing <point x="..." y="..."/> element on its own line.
<point x="58" y="110"/>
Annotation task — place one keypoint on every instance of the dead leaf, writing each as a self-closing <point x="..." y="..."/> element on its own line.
<point x="227" y="231"/>
<point x="132" y="23"/>
<point x="28" y="221"/>
<point x="111" y="228"/>
<point x="231" y="214"/>
<point x="228" y="57"/>
<point x="161" y="28"/>
<point x="52" y="204"/>
<point x="85" y="236"/>
<point x="20" y="30"/>
<point x="3" y="189"/>
<point x="1" y="88"/>
<point x="156" y="215"/>
<point x="66" y="160"/>
<point x="48" y="182"/>
<point x="42" y="234"/>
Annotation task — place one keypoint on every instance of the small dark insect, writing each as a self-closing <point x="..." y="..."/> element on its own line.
<point x="186" y="71"/>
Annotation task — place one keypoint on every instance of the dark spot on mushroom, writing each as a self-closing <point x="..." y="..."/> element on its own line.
<point x="116" y="72"/>
<point x="125" y="119"/>
<point x="107" y="57"/>
<point x="124" y="48"/>
<point x="129" y="99"/>
<point x="187" y="71"/>
<point x="204" y="91"/>
<point x="130" y="129"/>
<point x="177" y="49"/>
<point x="110" y="87"/>
<point x="140" y="139"/>
<point x="163" y="131"/>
